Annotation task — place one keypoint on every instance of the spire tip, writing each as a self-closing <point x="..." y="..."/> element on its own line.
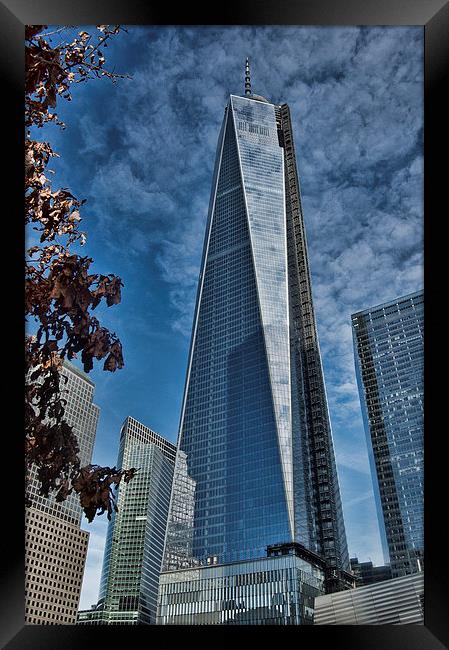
<point x="247" y="78"/>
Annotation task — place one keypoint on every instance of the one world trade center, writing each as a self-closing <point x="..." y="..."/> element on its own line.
<point x="255" y="466"/>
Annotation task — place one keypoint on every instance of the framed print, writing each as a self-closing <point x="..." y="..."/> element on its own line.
<point x="359" y="88"/>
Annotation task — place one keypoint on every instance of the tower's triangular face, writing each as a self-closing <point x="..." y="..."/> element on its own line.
<point x="233" y="412"/>
<point x="262" y="168"/>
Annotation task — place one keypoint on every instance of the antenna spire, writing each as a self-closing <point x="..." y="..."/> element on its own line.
<point x="247" y="78"/>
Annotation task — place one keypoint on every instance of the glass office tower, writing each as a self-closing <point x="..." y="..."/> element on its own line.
<point x="255" y="455"/>
<point x="389" y="360"/>
<point x="135" y="539"/>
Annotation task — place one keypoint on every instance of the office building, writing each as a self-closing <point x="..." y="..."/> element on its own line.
<point x="279" y="589"/>
<point x="389" y="359"/>
<point x="256" y="455"/>
<point x="55" y="545"/>
<point x="399" y="601"/>
<point x="135" y="537"/>
<point x="366" y="573"/>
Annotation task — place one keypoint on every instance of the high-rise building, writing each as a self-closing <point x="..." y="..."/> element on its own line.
<point x="389" y="359"/>
<point x="135" y="538"/>
<point x="55" y="545"/>
<point x="255" y="445"/>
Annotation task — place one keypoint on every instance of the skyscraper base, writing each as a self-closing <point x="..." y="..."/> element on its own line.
<point x="274" y="590"/>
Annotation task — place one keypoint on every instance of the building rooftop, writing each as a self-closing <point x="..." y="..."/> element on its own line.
<point x="77" y="371"/>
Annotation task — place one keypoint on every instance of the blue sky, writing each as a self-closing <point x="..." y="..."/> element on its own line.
<point x="141" y="152"/>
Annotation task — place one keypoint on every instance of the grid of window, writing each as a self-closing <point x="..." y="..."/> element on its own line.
<point x="258" y="463"/>
<point x="56" y="548"/>
<point x="270" y="591"/>
<point x="135" y="537"/>
<point x="262" y="166"/>
<point x="229" y="437"/>
<point x="389" y="354"/>
<point x="319" y="521"/>
<point x="80" y="413"/>
<point x="55" y="555"/>
<point x="366" y="573"/>
<point x="179" y="540"/>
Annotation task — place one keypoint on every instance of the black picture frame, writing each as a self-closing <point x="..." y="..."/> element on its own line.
<point x="433" y="16"/>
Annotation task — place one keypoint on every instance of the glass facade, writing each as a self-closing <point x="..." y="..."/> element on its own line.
<point x="262" y="173"/>
<point x="135" y="537"/>
<point x="255" y="462"/>
<point x="318" y="512"/>
<point x="367" y="574"/>
<point x="270" y="591"/>
<point x="389" y="360"/>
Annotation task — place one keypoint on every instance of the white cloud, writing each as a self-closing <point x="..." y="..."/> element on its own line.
<point x="354" y="460"/>
<point x="93" y="134"/>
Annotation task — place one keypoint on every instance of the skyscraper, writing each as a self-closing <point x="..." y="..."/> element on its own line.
<point x="135" y="539"/>
<point x="255" y="434"/>
<point x="389" y="361"/>
<point x="55" y="545"/>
